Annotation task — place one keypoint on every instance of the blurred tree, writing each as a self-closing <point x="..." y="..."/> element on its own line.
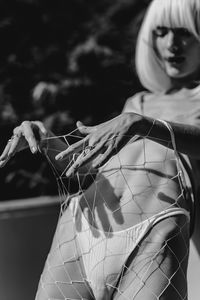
<point x="61" y="61"/>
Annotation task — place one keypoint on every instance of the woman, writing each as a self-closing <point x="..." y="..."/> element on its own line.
<point x="127" y="235"/>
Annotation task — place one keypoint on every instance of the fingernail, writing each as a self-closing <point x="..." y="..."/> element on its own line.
<point x="58" y="157"/>
<point x="2" y="163"/>
<point x="69" y="173"/>
<point x="33" y="149"/>
<point x="44" y="131"/>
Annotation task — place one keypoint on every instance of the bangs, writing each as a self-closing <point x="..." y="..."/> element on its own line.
<point x="176" y="13"/>
<point x="163" y="13"/>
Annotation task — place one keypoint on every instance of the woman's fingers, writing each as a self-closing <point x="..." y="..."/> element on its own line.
<point x="85" y="129"/>
<point x="85" y="157"/>
<point x="76" y="147"/>
<point x="9" y="149"/>
<point x="104" y="157"/>
<point x="28" y="134"/>
<point x="23" y="137"/>
<point x="4" y="156"/>
<point x="41" y="127"/>
<point x="3" y="162"/>
<point x="14" y="144"/>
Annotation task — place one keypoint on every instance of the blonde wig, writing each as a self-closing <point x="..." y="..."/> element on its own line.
<point x="170" y="13"/>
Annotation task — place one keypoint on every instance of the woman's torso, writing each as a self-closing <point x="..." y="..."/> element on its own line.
<point x="141" y="180"/>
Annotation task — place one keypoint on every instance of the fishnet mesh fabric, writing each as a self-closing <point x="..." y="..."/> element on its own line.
<point x="90" y="258"/>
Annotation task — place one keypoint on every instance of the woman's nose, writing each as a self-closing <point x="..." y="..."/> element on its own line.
<point x="173" y="43"/>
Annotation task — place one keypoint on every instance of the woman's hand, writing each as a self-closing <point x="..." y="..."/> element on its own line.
<point x="28" y="134"/>
<point x="101" y="142"/>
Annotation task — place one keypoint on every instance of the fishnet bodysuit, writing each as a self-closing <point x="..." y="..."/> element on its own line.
<point x="125" y="193"/>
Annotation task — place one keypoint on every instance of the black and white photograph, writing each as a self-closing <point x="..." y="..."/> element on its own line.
<point x="100" y="149"/>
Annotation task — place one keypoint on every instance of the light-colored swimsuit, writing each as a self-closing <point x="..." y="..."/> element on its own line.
<point x="105" y="253"/>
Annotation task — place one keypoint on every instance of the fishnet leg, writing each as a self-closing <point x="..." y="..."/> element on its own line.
<point x="157" y="269"/>
<point x="63" y="276"/>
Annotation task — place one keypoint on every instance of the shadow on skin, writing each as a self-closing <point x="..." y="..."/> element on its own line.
<point x="93" y="205"/>
<point x="100" y="200"/>
<point x="165" y="198"/>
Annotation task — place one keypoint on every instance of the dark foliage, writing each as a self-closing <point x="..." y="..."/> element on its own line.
<point x="61" y="61"/>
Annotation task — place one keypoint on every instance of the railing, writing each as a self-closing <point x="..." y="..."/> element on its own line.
<point x="26" y="231"/>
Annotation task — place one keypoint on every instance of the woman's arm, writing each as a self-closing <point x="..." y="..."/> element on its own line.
<point x="34" y="135"/>
<point x="187" y="137"/>
<point x="106" y="139"/>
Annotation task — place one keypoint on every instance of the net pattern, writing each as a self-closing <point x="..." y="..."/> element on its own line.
<point x="125" y="235"/>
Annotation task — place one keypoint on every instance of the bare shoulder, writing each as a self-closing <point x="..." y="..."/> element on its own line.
<point x="134" y="103"/>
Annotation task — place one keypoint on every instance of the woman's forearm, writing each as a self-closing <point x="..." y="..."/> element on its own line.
<point x="187" y="137"/>
<point x="105" y="139"/>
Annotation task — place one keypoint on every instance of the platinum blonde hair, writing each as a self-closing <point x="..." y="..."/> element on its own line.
<point x="170" y="13"/>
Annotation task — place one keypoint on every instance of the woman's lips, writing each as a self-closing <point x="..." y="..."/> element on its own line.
<point x="175" y="59"/>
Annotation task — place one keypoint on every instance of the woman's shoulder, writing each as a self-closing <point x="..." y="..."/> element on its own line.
<point x="135" y="102"/>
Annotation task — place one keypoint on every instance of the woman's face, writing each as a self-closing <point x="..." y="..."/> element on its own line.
<point x="178" y="50"/>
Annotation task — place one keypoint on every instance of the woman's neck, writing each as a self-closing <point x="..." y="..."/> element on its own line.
<point x="189" y="82"/>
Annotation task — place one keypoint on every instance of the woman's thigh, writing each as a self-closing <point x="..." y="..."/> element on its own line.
<point x="156" y="270"/>
<point x="63" y="276"/>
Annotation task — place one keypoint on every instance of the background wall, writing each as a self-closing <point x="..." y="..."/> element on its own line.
<point x="26" y="231"/>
